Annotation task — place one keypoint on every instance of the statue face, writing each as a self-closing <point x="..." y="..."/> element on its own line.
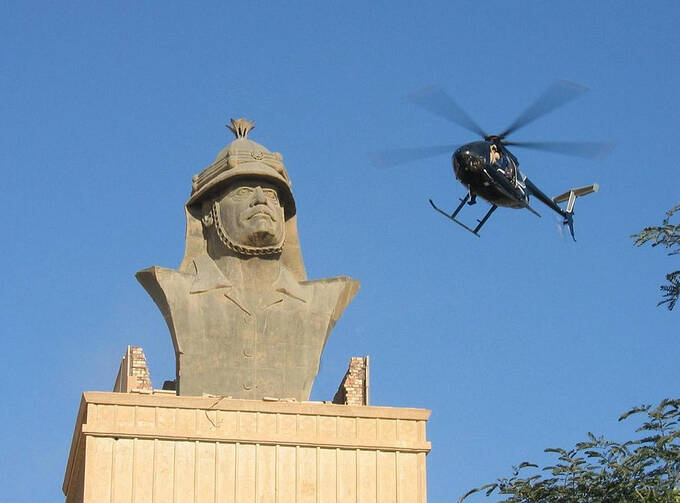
<point x="251" y="214"/>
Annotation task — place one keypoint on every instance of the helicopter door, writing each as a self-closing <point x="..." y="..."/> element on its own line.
<point x="510" y="169"/>
<point x="516" y="176"/>
<point x="505" y="165"/>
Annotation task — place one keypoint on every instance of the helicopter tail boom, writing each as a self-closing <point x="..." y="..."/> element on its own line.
<point x="569" y="196"/>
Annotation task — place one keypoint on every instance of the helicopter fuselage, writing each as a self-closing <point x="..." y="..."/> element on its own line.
<point x="489" y="170"/>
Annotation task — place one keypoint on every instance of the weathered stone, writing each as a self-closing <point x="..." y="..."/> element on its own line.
<point x="244" y="320"/>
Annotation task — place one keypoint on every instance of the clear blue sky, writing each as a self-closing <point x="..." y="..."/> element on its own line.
<point x="516" y="341"/>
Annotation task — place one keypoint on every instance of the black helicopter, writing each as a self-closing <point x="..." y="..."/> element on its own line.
<point x="487" y="168"/>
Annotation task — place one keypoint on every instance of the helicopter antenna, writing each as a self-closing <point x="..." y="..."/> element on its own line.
<point x="558" y="94"/>
<point x="436" y="101"/>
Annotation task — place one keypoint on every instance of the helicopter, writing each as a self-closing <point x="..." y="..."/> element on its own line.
<point x="487" y="168"/>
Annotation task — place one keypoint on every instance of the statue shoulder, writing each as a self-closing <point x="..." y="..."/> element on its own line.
<point x="163" y="284"/>
<point x="338" y="283"/>
<point x="333" y="294"/>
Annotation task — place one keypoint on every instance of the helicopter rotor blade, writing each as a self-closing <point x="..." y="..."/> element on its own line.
<point x="558" y="94"/>
<point x="585" y="149"/>
<point x="394" y="157"/>
<point x="435" y="100"/>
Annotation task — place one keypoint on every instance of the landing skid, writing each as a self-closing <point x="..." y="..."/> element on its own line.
<point x="452" y="216"/>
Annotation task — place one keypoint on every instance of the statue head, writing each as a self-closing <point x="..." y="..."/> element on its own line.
<point x="243" y="199"/>
<point x="248" y="217"/>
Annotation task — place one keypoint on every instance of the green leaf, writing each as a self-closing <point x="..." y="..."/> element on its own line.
<point x="471" y="491"/>
<point x="526" y="464"/>
<point x="634" y="410"/>
<point x="556" y="450"/>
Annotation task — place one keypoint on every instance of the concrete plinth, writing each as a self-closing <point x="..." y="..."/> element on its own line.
<point x="130" y="447"/>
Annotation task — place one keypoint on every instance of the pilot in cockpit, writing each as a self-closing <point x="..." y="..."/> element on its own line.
<point x="502" y="163"/>
<point x="507" y="165"/>
<point x="494" y="156"/>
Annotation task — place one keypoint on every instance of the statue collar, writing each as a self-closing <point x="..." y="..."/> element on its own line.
<point x="209" y="277"/>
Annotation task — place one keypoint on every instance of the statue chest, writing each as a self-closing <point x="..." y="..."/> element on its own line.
<point x="250" y="346"/>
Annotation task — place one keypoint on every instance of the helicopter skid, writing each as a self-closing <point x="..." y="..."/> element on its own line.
<point x="452" y="216"/>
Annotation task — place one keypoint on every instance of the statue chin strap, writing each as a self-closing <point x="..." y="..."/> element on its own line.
<point x="243" y="249"/>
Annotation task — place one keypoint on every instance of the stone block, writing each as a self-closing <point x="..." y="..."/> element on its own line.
<point x="153" y="448"/>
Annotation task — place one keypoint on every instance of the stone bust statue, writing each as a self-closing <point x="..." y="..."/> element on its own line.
<point x="245" y="321"/>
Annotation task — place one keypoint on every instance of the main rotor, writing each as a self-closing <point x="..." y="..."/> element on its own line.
<point x="436" y="101"/>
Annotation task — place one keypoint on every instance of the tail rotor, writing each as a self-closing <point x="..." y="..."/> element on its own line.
<point x="569" y="222"/>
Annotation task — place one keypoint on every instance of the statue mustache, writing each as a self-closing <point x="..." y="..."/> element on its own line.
<point x="259" y="209"/>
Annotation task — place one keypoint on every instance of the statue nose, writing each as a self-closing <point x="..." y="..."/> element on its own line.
<point x="258" y="197"/>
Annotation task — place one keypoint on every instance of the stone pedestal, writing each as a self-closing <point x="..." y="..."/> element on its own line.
<point x="157" y="447"/>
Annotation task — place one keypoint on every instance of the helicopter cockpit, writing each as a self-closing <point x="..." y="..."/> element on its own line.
<point x="506" y="164"/>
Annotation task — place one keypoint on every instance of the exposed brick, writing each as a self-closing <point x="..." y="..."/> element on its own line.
<point x="353" y="389"/>
<point x="133" y="374"/>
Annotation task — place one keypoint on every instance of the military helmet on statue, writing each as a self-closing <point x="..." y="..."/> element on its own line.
<point x="243" y="158"/>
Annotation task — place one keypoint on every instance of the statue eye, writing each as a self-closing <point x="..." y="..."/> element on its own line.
<point x="271" y="194"/>
<point x="243" y="191"/>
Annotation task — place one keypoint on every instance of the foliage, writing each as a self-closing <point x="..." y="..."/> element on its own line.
<point x="645" y="470"/>
<point x="667" y="235"/>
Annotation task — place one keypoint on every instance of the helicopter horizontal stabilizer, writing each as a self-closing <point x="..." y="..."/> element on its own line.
<point x="572" y="194"/>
